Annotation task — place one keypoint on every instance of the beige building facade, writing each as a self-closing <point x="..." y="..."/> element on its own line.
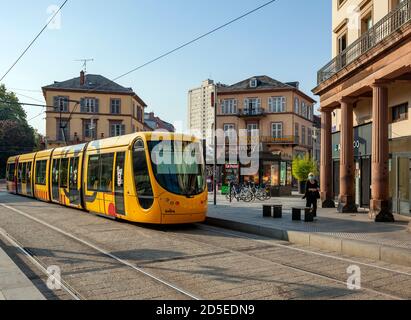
<point x="365" y="95"/>
<point x="200" y="112"/>
<point x="88" y="108"/>
<point x="282" y="117"/>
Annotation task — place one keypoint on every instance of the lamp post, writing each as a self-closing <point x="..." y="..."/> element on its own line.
<point x="214" y="105"/>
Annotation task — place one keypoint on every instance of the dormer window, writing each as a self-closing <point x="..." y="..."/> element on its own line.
<point x="253" y="83"/>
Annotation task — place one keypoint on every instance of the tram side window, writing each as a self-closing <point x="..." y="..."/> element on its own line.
<point x="19" y="173"/>
<point x="41" y="169"/>
<point x="10" y="172"/>
<point x="74" y="162"/>
<point x="63" y="173"/>
<point x="28" y="172"/>
<point x="93" y="173"/>
<point x="142" y="177"/>
<point x="106" y="181"/>
<point x="23" y="173"/>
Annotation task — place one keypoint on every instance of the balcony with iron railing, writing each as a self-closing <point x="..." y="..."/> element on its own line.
<point x="387" y="26"/>
<point x="252" y="112"/>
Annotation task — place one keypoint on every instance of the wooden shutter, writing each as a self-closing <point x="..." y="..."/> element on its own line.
<point x="97" y="103"/>
<point x="82" y="105"/>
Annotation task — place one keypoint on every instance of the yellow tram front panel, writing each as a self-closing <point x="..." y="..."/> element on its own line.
<point x="41" y="175"/>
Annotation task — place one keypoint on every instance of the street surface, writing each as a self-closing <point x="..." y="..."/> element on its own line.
<point x="104" y="259"/>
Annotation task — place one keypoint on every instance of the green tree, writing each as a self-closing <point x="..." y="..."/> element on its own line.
<point x="16" y="136"/>
<point x="302" y="168"/>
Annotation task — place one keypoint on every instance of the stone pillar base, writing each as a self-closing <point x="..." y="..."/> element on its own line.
<point x="347" y="205"/>
<point x="328" y="203"/>
<point x="380" y="211"/>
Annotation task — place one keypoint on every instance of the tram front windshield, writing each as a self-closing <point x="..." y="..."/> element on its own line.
<point x="178" y="166"/>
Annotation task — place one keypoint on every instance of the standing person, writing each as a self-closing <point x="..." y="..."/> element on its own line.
<point x="312" y="193"/>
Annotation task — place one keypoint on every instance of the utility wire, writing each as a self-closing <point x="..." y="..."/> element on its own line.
<point x="177" y="48"/>
<point x="189" y="42"/>
<point x="34" y="40"/>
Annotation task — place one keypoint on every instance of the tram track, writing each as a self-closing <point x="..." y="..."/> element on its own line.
<point x="182" y="270"/>
<point x="94" y="247"/>
<point x="293" y="266"/>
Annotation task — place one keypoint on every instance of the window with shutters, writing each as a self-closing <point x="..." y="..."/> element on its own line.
<point x="303" y="135"/>
<point x="63" y="130"/>
<point x="115" y="106"/>
<point x="61" y="104"/>
<point x="89" y="105"/>
<point x="252" y="106"/>
<point x="117" y="129"/>
<point x="297" y="133"/>
<point x="90" y="129"/>
<point x="277" y="104"/>
<point x="296" y="105"/>
<point x="277" y="130"/>
<point x="229" y="106"/>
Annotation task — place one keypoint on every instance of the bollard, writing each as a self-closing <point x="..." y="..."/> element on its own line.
<point x="278" y="212"/>
<point x="267" y="211"/>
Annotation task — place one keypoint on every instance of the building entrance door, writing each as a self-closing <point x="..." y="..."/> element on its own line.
<point x="403" y="187"/>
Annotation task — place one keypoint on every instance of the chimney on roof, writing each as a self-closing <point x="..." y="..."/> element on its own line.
<point x="82" y="78"/>
<point x="151" y="115"/>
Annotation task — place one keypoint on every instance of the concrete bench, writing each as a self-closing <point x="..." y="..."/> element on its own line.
<point x="273" y="210"/>
<point x="308" y="215"/>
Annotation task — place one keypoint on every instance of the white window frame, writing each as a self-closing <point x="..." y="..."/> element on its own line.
<point x="277" y="104"/>
<point x="90" y="105"/>
<point x="297" y="105"/>
<point x="229" y="106"/>
<point x="277" y="130"/>
<point x="252" y="104"/>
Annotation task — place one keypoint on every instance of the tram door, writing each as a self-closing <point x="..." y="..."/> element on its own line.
<point x="119" y="183"/>
<point x="28" y="179"/>
<point x="55" y="180"/>
<point x="63" y="177"/>
<point x="73" y="185"/>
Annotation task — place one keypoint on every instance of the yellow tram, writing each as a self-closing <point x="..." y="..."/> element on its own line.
<point x="155" y="178"/>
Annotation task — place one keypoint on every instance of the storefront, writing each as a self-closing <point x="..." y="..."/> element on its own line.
<point x="399" y="169"/>
<point x="274" y="170"/>
<point x="362" y="145"/>
<point x="400" y="175"/>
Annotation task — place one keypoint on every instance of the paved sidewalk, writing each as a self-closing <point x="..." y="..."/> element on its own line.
<point x="350" y="234"/>
<point x="14" y="285"/>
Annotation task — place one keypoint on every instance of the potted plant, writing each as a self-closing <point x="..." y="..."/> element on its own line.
<point x="301" y="169"/>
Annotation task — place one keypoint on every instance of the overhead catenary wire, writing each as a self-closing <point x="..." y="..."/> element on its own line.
<point x="187" y="43"/>
<point x="34" y="40"/>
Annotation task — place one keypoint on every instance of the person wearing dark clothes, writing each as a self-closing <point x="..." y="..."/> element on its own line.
<point x="312" y="193"/>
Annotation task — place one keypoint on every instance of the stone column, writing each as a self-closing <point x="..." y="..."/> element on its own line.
<point x="347" y="166"/>
<point x="380" y="209"/>
<point x="326" y="161"/>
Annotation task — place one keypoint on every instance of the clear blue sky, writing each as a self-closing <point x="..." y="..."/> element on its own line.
<point x="288" y="40"/>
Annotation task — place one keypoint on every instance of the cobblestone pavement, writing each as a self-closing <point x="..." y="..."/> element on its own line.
<point x="105" y="259"/>
<point x="345" y="226"/>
